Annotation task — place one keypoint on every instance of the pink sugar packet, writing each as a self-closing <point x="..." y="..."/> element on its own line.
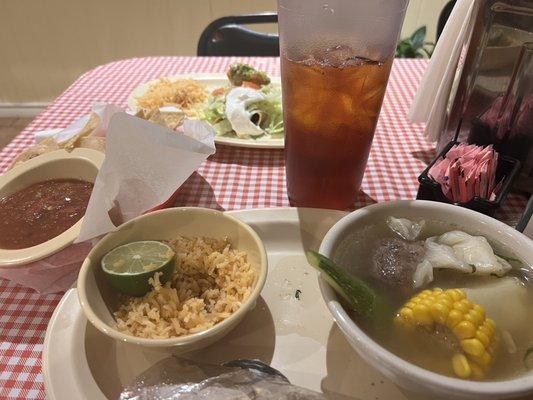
<point x="482" y="172"/>
<point x="492" y="178"/>
<point x="467" y="171"/>
<point x="454" y="172"/>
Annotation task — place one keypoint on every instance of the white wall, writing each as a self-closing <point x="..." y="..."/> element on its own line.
<point x="423" y="12"/>
<point x="46" y="44"/>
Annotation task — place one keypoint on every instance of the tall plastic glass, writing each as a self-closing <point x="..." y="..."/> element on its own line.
<point x="336" y="57"/>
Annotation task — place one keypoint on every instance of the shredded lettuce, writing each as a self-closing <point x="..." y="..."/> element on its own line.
<point x="214" y="112"/>
<point x="272" y="110"/>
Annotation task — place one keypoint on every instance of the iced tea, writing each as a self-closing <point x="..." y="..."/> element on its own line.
<point x="331" y="105"/>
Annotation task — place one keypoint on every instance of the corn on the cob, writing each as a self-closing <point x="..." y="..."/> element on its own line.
<point x="475" y="334"/>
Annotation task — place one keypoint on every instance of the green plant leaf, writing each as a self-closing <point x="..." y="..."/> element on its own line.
<point x="418" y="37"/>
<point x="415" y="46"/>
<point x="404" y="49"/>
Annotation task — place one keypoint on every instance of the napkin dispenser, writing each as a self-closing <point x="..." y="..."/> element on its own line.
<point x="493" y="98"/>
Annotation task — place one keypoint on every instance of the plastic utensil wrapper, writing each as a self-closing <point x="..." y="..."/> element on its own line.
<point x="177" y="379"/>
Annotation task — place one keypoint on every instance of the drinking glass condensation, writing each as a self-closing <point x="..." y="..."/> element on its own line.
<point x="336" y="57"/>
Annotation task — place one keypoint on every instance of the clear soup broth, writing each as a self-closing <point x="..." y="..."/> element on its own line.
<point x="507" y="300"/>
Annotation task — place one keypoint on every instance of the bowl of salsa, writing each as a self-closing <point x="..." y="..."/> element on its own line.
<point x="42" y="204"/>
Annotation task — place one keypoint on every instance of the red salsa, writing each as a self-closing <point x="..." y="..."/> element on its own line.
<point x="42" y="211"/>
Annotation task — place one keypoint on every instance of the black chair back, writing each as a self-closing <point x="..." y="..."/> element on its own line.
<point x="227" y="37"/>
<point x="443" y="17"/>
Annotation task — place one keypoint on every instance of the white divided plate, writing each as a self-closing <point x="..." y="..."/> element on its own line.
<point x="298" y="337"/>
<point x="211" y="81"/>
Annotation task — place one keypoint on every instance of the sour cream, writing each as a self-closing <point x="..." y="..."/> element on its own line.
<point x="237" y="100"/>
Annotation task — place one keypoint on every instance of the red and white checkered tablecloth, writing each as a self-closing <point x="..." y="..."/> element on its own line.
<point x="234" y="178"/>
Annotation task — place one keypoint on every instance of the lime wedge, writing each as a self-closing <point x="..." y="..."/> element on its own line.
<point x="129" y="267"/>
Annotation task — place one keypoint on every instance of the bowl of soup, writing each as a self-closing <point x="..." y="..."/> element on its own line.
<point x="42" y="204"/>
<point x="436" y="297"/>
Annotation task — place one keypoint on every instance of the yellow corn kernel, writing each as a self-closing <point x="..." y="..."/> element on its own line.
<point x="446" y="295"/>
<point x="437" y="290"/>
<point x="461" y="366"/>
<point x="483" y="338"/>
<point x="455" y="294"/>
<point x="451" y="294"/>
<point x="483" y="360"/>
<point x="407" y="314"/>
<point x="424" y="293"/>
<point x="439" y="312"/>
<point x="486" y="330"/>
<point x="445" y="301"/>
<point x="464" y="330"/>
<point x="473" y="347"/>
<point x="421" y="315"/>
<point x="479" y="309"/>
<point x="462" y="305"/>
<point x="469" y="318"/>
<point x="457" y="305"/>
<point x="428" y="302"/>
<point x="409" y="304"/>
<point x="474" y="316"/>
<point x="477" y="371"/>
<point x="454" y="317"/>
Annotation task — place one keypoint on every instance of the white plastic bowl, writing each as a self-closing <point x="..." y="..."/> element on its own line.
<point x="98" y="300"/>
<point x="402" y="372"/>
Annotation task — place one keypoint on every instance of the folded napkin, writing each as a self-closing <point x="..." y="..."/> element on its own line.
<point x="431" y="99"/>
<point x="145" y="163"/>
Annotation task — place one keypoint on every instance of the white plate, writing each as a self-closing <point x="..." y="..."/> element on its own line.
<point x="211" y="81"/>
<point x="298" y="337"/>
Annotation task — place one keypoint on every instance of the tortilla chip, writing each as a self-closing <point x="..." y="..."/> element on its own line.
<point x="73" y="142"/>
<point x="143" y="113"/>
<point x="169" y="120"/>
<point x="82" y="139"/>
<point x="46" y="146"/>
<point x="93" y="142"/>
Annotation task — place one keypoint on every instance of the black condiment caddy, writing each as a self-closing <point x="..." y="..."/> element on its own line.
<point x="507" y="169"/>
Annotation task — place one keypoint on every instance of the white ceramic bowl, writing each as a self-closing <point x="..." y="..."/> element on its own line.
<point x="98" y="300"/>
<point x="78" y="164"/>
<point x="402" y="372"/>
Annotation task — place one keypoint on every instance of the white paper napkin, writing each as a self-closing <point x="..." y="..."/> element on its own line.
<point x="431" y="99"/>
<point x="145" y="164"/>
